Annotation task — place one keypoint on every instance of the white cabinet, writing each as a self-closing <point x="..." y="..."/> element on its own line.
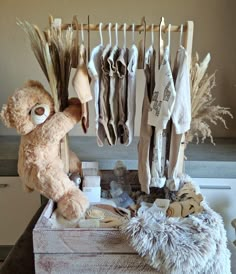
<point x="16" y="209"/>
<point x="221" y="197"/>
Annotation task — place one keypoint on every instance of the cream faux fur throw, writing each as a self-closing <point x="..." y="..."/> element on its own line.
<point x="193" y="245"/>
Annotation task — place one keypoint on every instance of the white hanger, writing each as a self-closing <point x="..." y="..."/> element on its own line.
<point x="152" y="35"/>
<point x="100" y="33"/>
<point x="82" y="33"/>
<point x="124" y="35"/>
<point x="181" y="35"/>
<point x="109" y="32"/>
<point x="169" y="28"/>
<point x="161" y="42"/>
<point x="133" y="27"/>
<point x="116" y="32"/>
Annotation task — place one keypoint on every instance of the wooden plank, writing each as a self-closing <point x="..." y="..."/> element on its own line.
<point x="91" y="263"/>
<point x="78" y="240"/>
<point x="43" y="221"/>
<point x="70" y="240"/>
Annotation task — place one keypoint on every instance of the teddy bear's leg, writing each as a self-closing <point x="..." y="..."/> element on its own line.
<point x="55" y="184"/>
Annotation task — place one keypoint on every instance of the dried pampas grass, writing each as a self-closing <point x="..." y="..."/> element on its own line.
<point x="204" y="112"/>
<point x="53" y="51"/>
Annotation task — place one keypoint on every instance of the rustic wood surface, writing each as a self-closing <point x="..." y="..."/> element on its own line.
<point x="91" y="263"/>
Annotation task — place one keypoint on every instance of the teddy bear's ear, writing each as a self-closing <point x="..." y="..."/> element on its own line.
<point x="5" y="116"/>
<point x="32" y="83"/>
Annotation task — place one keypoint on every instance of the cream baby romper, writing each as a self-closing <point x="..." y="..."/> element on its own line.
<point x="146" y="131"/>
<point x="131" y="93"/>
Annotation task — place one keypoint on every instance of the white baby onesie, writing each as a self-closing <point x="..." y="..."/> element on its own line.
<point x="181" y="115"/>
<point x="160" y="111"/>
<point x="94" y="68"/>
<point x="131" y="92"/>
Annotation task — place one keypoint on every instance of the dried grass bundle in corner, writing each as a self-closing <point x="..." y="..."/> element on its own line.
<point x="204" y="112"/>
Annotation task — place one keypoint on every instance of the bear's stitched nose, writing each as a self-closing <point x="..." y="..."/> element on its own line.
<point x="39" y="111"/>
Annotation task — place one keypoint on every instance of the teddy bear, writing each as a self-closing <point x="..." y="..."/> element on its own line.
<point x="30" y="110"/>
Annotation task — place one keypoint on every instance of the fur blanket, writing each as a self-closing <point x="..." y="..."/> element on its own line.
<point x="196" y="244"/>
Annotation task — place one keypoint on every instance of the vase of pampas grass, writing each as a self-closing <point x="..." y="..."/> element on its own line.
<point x="204" y="112"/>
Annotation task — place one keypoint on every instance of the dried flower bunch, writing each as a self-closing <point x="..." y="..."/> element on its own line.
<point x="53" y="51"/>
<point x="204" y="112"/>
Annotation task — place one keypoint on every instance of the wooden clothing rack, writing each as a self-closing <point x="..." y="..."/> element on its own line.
<point x="188" y="29"/>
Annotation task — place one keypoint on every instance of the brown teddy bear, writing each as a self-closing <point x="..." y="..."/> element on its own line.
<point x="30" y="110"/>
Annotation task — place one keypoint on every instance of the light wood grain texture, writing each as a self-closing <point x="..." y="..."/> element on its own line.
<point x="90" y="263"/>
<point x="138" y="28"/>
<point x="76" y="240"/>
<point x="82" y="250"/>
<point x="80" y="241"/>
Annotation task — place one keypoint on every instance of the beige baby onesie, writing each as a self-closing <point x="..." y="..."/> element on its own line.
<point x="81" y="86"/>
<point x="146" y="130"/>
<point x="131" y="93"/>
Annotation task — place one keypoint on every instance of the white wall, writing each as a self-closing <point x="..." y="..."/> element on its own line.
<point x="214" y="32"/>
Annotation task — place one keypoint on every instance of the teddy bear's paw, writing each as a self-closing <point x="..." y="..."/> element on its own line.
<point x="73" y="204"/>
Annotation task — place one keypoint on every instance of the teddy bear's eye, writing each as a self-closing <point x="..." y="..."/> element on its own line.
<point x="39" y="113"/>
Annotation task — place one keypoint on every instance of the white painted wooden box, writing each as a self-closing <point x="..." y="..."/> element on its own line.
<point x="75" y="250"/>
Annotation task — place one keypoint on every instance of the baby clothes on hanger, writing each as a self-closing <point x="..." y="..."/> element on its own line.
<point x="131" y="93"/>
<point x="104" y="109"/>
<point x="181" y="115"/>
<point x="146" y="130"/>
<point x="95" y="71"/>
<point x="81" y="85"/>
<point x="159" y="114"/>
<point x="121" y="64"/>
<point x="113" y="92"/>
<point x="80" y="80"/>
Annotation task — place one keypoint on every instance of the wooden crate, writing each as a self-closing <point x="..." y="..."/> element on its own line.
<point x="75" y="250"/>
